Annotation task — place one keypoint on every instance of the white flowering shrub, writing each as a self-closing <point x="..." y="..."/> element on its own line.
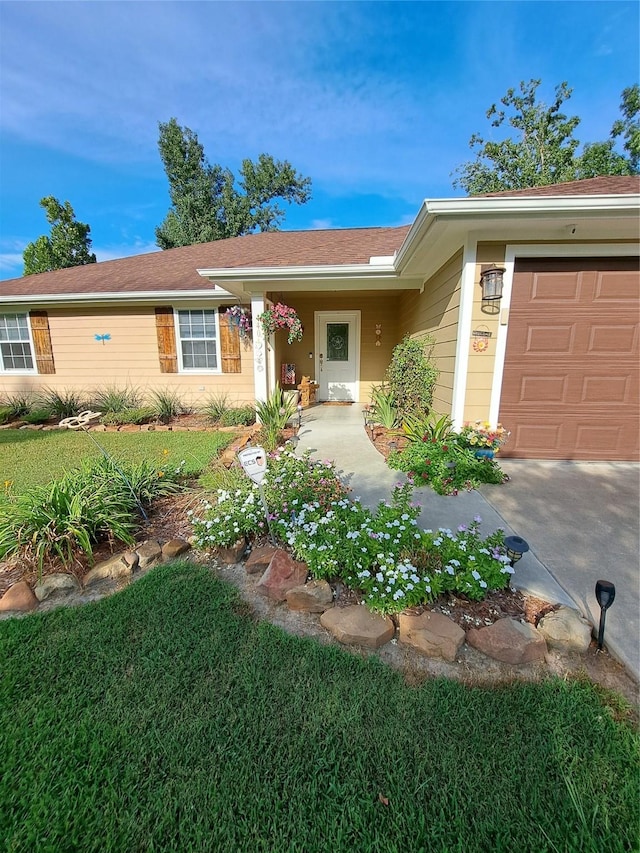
<point x="381" y="553"/>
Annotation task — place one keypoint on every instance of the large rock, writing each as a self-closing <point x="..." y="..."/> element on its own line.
<point x="282" y="574"/>
<point x="509" y="641"/>
<point x="432" y="634"/>
<point x="58" y="582"/>
<point x="18" y="597"/>
<point x="174" y="547"/>
<point x="313" y="597"/>
<point x="566" y="629"/>
<point x="232" y="554"/>
<point x="148" y="553"/>
<point x="258" y="560"/>
<point x="355" y="625"/>
<point x="115" y="567"/>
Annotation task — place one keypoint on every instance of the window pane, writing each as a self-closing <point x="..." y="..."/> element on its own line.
<point x="197" y="331"/>
<point x="337" y="342"/>
<point x="16" y="356"/>
<point x="199" y="355"/>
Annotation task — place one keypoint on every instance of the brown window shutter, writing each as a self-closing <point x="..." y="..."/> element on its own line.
<point x="166" y="330"/>
<point x="42" y="341"/>
<point x="229" y="344"/>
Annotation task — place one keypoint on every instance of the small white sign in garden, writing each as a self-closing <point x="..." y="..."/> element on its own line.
<point x="254" y="463"/>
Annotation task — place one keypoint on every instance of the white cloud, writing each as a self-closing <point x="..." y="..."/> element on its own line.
<point x="125" y="250"/>
<point x="321" y="224"/>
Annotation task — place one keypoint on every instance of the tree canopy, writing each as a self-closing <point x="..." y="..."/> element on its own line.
<point x="544" y="149"/>
<point x="68" y="245"/>
<point x="208" y="203"/>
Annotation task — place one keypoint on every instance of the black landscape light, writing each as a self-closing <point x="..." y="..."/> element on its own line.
<point x="368" y="419"/>
<point x="392" y="446"/>
<point x="516" y="546"/>
<point x="299" y="407"/>
<point x="605" y="593"/>
<point x="293" y="441"/>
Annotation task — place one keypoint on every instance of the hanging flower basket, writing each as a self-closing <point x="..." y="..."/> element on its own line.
<point x="241" y="318"/>
<point x="281" y="316"/>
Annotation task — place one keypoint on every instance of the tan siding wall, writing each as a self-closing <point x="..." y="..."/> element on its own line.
<point x="482" y="364"/>
<point x="130" y="357"/>
<point x="374" y="308"/>
<point x="436" y="311"/>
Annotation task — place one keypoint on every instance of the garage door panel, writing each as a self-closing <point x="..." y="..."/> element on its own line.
<point x="618" y="286"/>
<point x="552" y="288"/>
<point x="547" y="436"/>
<point x="605" y="338"/>
<point x="571" y="377"/>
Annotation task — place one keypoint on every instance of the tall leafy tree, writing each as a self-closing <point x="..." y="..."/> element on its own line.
<point x="207" y="203"/>
<point x="543" y="150"/>
<point x="628" y="127"/>
<point x="68" y="245"/>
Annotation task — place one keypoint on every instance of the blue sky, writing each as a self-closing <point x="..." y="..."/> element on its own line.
<point x="376" y="102"/>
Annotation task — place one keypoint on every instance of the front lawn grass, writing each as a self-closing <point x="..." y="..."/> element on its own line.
<point x="165" y="718"/>
<point x="29" y="458"/>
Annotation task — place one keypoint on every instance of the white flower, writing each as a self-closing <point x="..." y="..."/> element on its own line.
<point x="475" y="575"/>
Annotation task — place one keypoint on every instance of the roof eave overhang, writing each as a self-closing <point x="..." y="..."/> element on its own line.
<point x="442" y="225"/>
<point x="245" y="280"/>
<point x="139" y="297"/>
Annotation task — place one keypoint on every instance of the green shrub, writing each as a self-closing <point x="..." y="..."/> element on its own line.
<point x="429" y="428"/>
<point x="140" y="415"/>
<point x="112" y="399"/>
<point x="274" y="414"/>
<point x="19" y="404"/>
<point x="37" y="416"/>
<point x="444" y="465"/>
<point x="61" y="403"/>
<point x="240" y="416"/>
<point x="6" y="414"/>
<point x="383" y="410"/>
<point x="166" y="404"/>
<point x="411" y="377"/>
<point x="215" y="406"/>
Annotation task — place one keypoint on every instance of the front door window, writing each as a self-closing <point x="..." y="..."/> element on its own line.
<point x="337" y="342"/>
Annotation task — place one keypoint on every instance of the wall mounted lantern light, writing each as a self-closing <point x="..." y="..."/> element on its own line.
<point x="491" y="282"/>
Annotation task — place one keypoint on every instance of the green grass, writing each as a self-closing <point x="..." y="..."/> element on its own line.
<point x="164" y="718"/>
<point x="29" y="458"/>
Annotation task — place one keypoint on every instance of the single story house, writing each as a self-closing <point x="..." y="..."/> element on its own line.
<point x="555" y="359"/>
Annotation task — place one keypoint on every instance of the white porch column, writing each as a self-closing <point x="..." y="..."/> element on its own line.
<point x="464" y="332"/>
<point x="260" y="353"/>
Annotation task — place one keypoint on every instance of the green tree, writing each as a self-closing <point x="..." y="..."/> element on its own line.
<point x="206" y="201"/>
<point x="68" y="245"/>
<point x="544" y="150"/>
<point x="629" y="125"/>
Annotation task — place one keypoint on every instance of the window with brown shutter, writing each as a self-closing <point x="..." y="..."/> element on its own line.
<point x="229" y="344"/>
<point x="166" y="332"/>
<point x="42" y="341"/>
<point x="196" y="348"/>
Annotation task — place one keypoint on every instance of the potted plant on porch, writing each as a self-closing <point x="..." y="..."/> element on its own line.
<point x="281" y="316"/>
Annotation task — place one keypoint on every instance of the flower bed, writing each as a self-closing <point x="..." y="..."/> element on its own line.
<point x="381" y="553"/>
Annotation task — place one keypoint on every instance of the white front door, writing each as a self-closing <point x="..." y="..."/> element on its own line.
<point x="337" y="355"/>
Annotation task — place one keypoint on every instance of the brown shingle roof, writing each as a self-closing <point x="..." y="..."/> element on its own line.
<point x="604" y="185"/>
<point x="175" y="269"/>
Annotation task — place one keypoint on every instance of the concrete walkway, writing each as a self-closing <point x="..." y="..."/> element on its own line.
<point x="581" y="520"/>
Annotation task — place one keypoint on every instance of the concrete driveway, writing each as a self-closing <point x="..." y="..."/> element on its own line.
<point x="582" y="521"/>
